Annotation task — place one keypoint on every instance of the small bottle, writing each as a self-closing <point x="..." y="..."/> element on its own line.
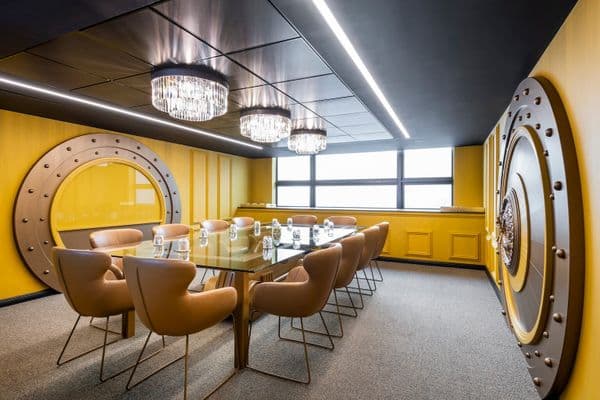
<point x="257" y="228"/>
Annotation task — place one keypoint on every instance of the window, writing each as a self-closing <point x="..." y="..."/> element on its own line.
<point x="387" y="179"/>
<point x="427" y="178"/>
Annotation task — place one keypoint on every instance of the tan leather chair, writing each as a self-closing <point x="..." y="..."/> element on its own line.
<point x="371" y="243"/>
<point x="171" y="231"/>
<point x="384" y="228"/>
<point x="301" y="298"/>
<point x="159" y="289"/>
<point x="343" y="220"/>
<point x="243" y="222"/>
<point x="81" y="275"/>
<point x="352" y="248"/>
<point x="114" y="238"/>
<point x="215" y="225"/>
<point x="304" y="219"/>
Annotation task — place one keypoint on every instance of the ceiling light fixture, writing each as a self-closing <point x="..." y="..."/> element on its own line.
<point x="189" y="92"/>
<point x="307" y="141"/>
<point x="347" y="45"/>
<point x="119" y="110"/>
<point x="265" y="125"/>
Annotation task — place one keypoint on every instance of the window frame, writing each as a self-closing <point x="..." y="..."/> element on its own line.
<point x="400" y="182"/>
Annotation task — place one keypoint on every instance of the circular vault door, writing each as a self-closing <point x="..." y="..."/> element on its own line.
<point x="540" y="228"/>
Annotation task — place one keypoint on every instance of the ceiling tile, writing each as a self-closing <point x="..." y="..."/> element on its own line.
<point x="231" y="119"/>
<point x="363" y="118"/>
<point x="237" y="76"/>
<point x="373" y="136"/>
<point x="284" y="61"/>
<point x="300" y="112"/>
<point x="139" y="82"/>
<point x="116" y="94"/>
<point x="32" y="67"/>
<point x="151" y="37"/>
<point x="344" y="105"/>
<point x="230" y="25"/>
<point x="82" y="52"/>
<point x="363" y="129"/>
<point x="260" y="96"/>
<point x="315" y="88"/>
<point x="340" y="139"/>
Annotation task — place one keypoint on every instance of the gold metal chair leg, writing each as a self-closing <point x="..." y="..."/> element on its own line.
<point x="307" y="381"/>
<point x="372" y="275"/>
<point x="327" y="333"/>
<point x="305" y="330"/>
<point x="359" y="290"/>
<point x="59" y="361"/>
<point x="185" y="366"/>
<point x="140" y="360"/>
<point x="379" y="271"/>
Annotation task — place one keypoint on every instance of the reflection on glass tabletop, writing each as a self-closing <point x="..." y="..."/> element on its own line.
<point x="238" y="249"/>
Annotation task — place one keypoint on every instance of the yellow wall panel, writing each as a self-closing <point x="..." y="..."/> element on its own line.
<point x="419" y="244"/>
<point x="465" y="246"/>
<point x="25" y="138"/>
<point x="468" y="176"/>
<point x="571" y="63"/>
<point x="262" y="180"/>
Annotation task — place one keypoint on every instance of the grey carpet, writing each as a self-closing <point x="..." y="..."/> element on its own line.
<point x="428" y="333"/>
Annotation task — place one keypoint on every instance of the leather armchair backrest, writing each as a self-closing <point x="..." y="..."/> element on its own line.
<point x="115" y="237"/>
<point x="304" y="219"/>
<point x="158" y="287"/>
<point x="352" y="248"/>
<point x="171" y="230"/>
<point x="384" y="228"/>
<point x="371" y="242"/>
<point x="344" y="220"/>
<point x="81" y="274"/>
<point x="242" y="222"/>
<point x="215" y="225"/>
<point x="322" y="267"/>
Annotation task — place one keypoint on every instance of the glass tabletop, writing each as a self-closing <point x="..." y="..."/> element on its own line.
<point x="237" y="251"/>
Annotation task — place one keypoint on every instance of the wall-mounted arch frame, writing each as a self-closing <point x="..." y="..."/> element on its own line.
<point x="31" y="219"/>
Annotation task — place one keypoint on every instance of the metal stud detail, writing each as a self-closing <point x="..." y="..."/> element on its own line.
<point x="549" y="132"/>
<point x="560" y="253"/>
<point x="537" y="381"/>
<point x="537" y="101"/>
<point x="537" y="353"/>
<point x="548" y="361"/>
<point x="557" y="185"/>
<point x="557" y="317"/>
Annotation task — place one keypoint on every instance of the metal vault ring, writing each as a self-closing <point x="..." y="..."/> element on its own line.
<point x="31" y="219"/>
<point x="553" y="248"/>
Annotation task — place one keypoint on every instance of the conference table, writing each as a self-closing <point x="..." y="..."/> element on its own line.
<point x="240" y="252"/>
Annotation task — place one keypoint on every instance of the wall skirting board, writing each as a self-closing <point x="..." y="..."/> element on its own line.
<point x="26" y="297"/>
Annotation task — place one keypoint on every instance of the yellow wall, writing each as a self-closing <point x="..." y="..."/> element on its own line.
<point x="468" y="176"/>
<point x="220" y="179"/>
<point x="572" y="63"/>
<point x="262" y="179"/>
<point x="105" y="194"/>
<point x="424" y="236"/>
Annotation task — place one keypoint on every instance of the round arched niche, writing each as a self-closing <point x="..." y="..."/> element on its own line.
<point x="33" y="205"/>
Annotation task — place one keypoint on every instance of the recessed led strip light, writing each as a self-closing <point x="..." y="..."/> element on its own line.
<point x="347" y="45"/>
<point x="122" y="111"/>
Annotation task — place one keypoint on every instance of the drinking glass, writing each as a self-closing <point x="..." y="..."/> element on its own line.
<point x="290" y="224"/>
<point x="183" y="244"/>
<point x="257" y="228"/>
<point x="159" y="240"/>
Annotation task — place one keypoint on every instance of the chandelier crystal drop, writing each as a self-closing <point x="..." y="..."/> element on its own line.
<point x="189" y="92"/>
<point x="307" y="141"/>
<point x="265" y="125"/>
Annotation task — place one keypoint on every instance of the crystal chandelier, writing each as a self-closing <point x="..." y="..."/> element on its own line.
<point x="189" y="92"/>
<point x="307" y="141"/>
<point x="265" y="125"/>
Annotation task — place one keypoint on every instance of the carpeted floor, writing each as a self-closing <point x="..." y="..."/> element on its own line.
<point x="428" y="333"/>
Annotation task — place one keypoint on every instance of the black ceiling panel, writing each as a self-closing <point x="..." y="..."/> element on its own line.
<point x="38" y="69"/>
<point x="260" y="96"/>
<point x="82" y="52"/>
<point x="315" y="88"/>
<point x="283" y="61"/>
<point x="229" y="25"/>
<point x="152" y="38"/>
<point x="344" y="105"/>
<point x="116" y="94"/>
<point x="26" y="23"/>
<point x="447" y="68"/>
